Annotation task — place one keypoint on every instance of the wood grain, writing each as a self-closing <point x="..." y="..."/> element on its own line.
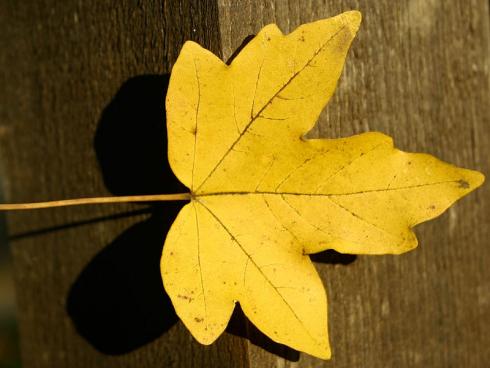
<point x="78" y="76"/>
<point x="79" y="116"/>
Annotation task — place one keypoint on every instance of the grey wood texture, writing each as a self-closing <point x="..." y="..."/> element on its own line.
<point x="418" y="71"/>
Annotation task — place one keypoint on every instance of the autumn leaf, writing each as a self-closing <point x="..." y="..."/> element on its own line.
<point x="264" y="197"/>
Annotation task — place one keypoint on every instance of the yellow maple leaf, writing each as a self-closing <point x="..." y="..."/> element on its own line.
<point x="263" y="197"/>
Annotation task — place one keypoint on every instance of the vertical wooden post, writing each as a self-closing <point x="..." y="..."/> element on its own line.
<point x="416" y="71"/>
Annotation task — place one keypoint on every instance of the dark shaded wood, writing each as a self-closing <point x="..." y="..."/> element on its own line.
<point x="79" y="113"/>
<point x="78" y="76"/>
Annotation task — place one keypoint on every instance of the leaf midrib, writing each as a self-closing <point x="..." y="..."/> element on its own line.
<point x="381" y="190"/>
<point x="257" y="115"/>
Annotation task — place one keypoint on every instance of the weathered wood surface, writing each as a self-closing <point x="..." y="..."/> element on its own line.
<point x="74" y="123"/>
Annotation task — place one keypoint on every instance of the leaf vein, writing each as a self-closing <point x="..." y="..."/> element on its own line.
<point x="199" y="263"/>
<point x="303" y="218"/>
<point x="347" y="165"/>
<point x="280" y="222"/>
<point x="329" y="194"/>
<point x="254" y="118"/>
<point x="362" y="219"/>
<point x="196" y="120"/>
<point x="259" y="269"/>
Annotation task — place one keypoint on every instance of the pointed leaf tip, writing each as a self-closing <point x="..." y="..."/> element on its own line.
<point x="325" y="353"/>
<point x="479" y="178"/>
<point x="352" y="19"/>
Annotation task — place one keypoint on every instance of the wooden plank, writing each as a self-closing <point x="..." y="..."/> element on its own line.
<point x="412" y="73"/>
<point x="418" y="71"/>
<point x="78" y="76"/>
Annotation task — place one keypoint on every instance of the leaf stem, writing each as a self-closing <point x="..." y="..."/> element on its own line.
<point x="96" y="200"/>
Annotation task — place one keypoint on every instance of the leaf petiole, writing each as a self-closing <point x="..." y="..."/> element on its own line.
<point x="96" y="200"/>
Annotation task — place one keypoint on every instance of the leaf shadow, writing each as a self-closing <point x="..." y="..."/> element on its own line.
<point x="239" y="49"/>
<point x="131" y="139"/>
<point x="118" y="302"/>
<point x="239" y="325"/>
<point x="330" y="256"/>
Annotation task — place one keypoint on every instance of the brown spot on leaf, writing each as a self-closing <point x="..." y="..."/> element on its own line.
<point x="185" y="297"/>
<point x="463" y="184"/>
<point x="198" y="320"/>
